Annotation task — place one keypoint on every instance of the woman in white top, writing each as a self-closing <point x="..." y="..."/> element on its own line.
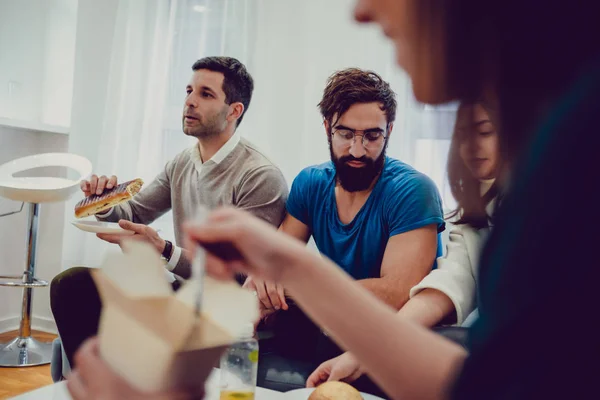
<point x="448" y="294"/>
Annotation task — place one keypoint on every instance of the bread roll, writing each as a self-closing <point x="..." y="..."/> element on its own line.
<point x="335" y="391"/>
<point x="95" y="204"/>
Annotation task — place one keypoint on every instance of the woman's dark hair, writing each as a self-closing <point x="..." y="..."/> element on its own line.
<point x="471" y="208"/>
<point x="525" y="51"/>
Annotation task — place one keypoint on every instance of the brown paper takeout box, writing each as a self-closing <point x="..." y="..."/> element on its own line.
<point x="150" y="335"/>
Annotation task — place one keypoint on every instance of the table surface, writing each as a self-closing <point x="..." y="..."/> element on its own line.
<point x="58" y="391"/>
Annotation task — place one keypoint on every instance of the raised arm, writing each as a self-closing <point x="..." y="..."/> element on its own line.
<point x="148" y="205"/>
<point x="406" y="360"/>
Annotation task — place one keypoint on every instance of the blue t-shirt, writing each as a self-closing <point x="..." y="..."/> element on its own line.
<point x="402" y="200"/>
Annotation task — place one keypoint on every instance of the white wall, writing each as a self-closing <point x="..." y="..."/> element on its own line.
<point x="53" y="48"/>
<point x="289" y="61"/>
<point x="21" y="44"/>
<point x="290" y="64"/>
<point x="37" y="40"/>
<point x="95" y="31"/>
<point x="17" y="143"/>
<point x="59" y="39"/>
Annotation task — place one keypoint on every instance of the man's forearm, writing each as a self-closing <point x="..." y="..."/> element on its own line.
<point x="116" y="213"/>
<point x="428" y="308"/>
<point x="389" y="291"/>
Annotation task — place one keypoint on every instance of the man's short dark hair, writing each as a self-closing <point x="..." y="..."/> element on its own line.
<point x="237" y="82"/>
<point x="353" y="85"/>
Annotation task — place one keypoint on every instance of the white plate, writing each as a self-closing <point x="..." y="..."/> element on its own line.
<point x="102" y="227"/>
<point x="302" y="394"/>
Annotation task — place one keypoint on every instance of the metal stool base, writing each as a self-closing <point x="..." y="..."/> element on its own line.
<point x="32" y="282"/>
<point x="25" y="352"/>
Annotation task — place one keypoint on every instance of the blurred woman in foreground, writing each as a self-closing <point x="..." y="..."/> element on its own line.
<point x="542" y="63"/>
<point x="541" y="60"/>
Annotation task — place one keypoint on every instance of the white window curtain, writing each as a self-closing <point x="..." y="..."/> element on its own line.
<point x="290" y="47"/>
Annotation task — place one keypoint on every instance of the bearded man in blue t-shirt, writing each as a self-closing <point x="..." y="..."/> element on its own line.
<point x="376" y="217"/>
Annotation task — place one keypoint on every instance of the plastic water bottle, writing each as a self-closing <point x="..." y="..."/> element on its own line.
<point x="239" y="367"/>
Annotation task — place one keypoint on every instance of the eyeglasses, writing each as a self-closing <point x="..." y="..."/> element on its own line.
<point x="371" y="138"/>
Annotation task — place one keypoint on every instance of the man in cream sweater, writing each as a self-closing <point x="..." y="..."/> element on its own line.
<point x="222" y="169"/>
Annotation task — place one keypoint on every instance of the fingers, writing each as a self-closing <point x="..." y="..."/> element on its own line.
<point x="313" y="381"/>
<point x="101" y="184"/>
<point x="93" y="184"/>
<point x="339" y="375"/>
<point x="238" y="266"/>
<point x="92" y="345"/>
<point x="97" y="185"/>
<point x="319" y="375"/>
<point x="354" y="376"/>
<point x="110" y="238"/>
<point x="262" y="295"/>
<point x="91" y="372"/>
<point x="85" y="188"/>
<point x="87" y="361"/>
<point x="112" y="182"/>
<point x="76" y="387"/>
<point x="229" y="234"/>
<point x="270" y="294"/>
<point x="218" y="269"/>
<point x="345" y="368"/>
<point x="226" y="231"/>
<point x="281" y="295"/>
<point x="249" y="284"/>
<point x="271" y="289"/>
<point x="224" y="225"/>
<point x="140" y="229"/>
<point x="336" y="369"/>
<point x="274" y="293"/>
<point x="223" y="240"/>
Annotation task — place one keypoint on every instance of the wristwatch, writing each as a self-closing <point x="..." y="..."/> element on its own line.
<point x="167" y="251"/>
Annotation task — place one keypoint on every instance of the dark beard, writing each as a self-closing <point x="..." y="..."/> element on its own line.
<point x="210" y="127"/>
<point x="357" y="179"/>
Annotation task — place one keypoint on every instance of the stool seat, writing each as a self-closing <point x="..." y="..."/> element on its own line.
<point x="42" y="189"/>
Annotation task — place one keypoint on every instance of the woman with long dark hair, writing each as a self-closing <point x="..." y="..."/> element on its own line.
<point x="539" y="62"/>
<point x="473" y="164"/>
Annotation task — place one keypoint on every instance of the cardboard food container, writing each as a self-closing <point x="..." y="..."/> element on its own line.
<point x="150" y="335"/>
